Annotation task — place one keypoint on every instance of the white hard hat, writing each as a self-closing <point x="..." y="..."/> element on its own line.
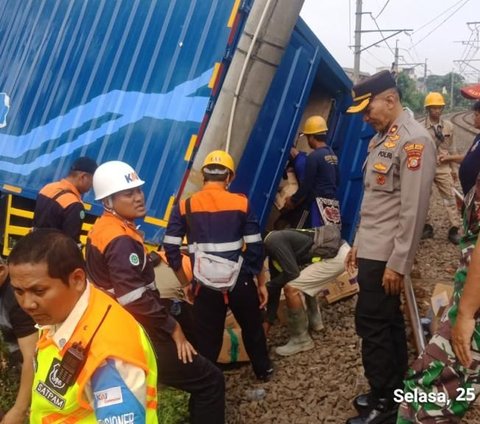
<point x="112" y="177"/>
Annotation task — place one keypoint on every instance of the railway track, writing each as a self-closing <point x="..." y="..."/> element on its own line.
<point x="464" y="120"/>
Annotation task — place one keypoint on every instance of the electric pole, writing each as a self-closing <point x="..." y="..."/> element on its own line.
<point x="425" y="77"/>
<point x="358" y="42"/>
<point x="395" y="64"/>
<point x="357" y="48"/>
<point x="451" y="90"/>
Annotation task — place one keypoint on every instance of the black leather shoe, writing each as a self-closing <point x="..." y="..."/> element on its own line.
<point x="266" y="376"/>
<point x="363" y="402"/>
<point x="384" y="412"/>
<point x="453" y="235"/>
<point x="427" y="232"/>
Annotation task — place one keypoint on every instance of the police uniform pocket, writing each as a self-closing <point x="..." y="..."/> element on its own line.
<point x="382" y="176"/>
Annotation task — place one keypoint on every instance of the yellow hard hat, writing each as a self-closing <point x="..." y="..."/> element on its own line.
<point x="434" y="99"/>
<point x="315" y="125"/>
<point x="219" y="157"/>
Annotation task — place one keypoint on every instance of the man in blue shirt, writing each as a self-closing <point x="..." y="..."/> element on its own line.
<point x="318" y="186"/>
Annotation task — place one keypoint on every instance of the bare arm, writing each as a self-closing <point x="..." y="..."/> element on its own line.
<point x="456" y="158"/>
<point x="462" y="331"/>
<point x="17" y="414"/>
<point x="262" y="289"/>
<point x="186" y="284"/>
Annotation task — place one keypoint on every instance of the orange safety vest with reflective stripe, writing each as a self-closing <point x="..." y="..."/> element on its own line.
<point x="53" y="402"/>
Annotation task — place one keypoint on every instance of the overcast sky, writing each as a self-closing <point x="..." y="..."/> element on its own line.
<point x="437" y="26"/>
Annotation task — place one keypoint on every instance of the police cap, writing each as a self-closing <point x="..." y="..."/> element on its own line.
<point x="364" y="91"/>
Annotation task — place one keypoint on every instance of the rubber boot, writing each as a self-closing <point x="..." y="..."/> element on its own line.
<point x="427" y="232"/>
<point x="453" y="235"/>
<point x="315" y="320"/>
<point x="300" y="339"/>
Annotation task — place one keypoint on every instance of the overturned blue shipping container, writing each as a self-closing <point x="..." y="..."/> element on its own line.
<point x="137" y="81"/>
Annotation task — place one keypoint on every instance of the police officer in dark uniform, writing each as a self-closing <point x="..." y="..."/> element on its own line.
<point x="59" y="204"/>
<point x="398" y="175"/>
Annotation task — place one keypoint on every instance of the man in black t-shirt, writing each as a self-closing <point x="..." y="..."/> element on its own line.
<point x="19" y="336"/>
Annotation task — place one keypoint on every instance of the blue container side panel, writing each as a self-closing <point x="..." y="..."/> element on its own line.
<point x="114" y="80"/>
<point x="354" y="135"/>
<point x="306" y="66"/>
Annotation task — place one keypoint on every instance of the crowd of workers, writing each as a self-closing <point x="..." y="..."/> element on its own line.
<point x="85" y="370"/>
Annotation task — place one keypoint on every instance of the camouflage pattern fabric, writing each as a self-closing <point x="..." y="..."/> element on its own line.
<point x="440" y="388"/>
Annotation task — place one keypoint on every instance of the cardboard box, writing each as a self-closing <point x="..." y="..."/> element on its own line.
<point x="343" y="286"/>
<point x="442" y="294"/>
<point x="439" y="302"/>
<point x="233" y="349"/>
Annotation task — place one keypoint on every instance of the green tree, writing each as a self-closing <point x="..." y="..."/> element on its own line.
<point x="448" y="84"/>
<point x="411" y="96"/>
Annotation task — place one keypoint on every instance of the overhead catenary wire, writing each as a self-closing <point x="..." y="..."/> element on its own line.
<point x="437" y="17"/>
<point x="377" y="59"/>
<point x="383" y="8"/>
<point x="381" y="33"/>
<point x="441" y="23"/>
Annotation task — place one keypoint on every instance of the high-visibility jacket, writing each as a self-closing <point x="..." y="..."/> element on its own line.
<point x="117" y="261"/>
<point x="118" y="337"/>
<point x="59" y="205"/>
<point x="220" y="223"/>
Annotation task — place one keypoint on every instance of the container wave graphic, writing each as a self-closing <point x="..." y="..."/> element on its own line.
<point x="125" y="108"/>
<point x="4" y="108"/>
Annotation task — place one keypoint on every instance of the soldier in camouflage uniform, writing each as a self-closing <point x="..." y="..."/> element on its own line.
<point x="449" y="368"/>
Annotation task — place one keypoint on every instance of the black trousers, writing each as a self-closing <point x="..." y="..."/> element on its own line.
<point x="209" y="311"/>
<point x="201" y="378"/>
<point x="379" y="322"/>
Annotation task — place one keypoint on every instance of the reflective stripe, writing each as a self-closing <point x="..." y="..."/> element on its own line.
<point x="277" y="266"/>
<point x="216" y="247"/>
<point x="253" y="238"/>
<point x="152" y="404"/>
<point x="172" y="240"/>
<point x="135" y="294"/>
<point x="151" y="391"/>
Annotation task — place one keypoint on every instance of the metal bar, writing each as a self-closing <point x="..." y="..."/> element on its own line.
<point x="414" y="315"/>
<point x="385" y="30"/>
<point x="378" y="42"/>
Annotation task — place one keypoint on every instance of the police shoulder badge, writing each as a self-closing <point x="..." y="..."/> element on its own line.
<point x="393" y="130"/>
<point x="414" y="155"/>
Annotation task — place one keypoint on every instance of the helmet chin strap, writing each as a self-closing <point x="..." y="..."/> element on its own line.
<point x="108" y="206"/>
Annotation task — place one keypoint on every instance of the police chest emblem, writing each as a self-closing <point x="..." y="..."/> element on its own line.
<point x="389" y="144"/>
<point x="414" y="155"/>
<point x="381" y="167"/>
<point x="380" y="179"/>
<point x="53" y="388"/>
<point x="134" y="259"/>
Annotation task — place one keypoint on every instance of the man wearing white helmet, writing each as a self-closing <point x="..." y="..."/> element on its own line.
<point x="117" y="261"/>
